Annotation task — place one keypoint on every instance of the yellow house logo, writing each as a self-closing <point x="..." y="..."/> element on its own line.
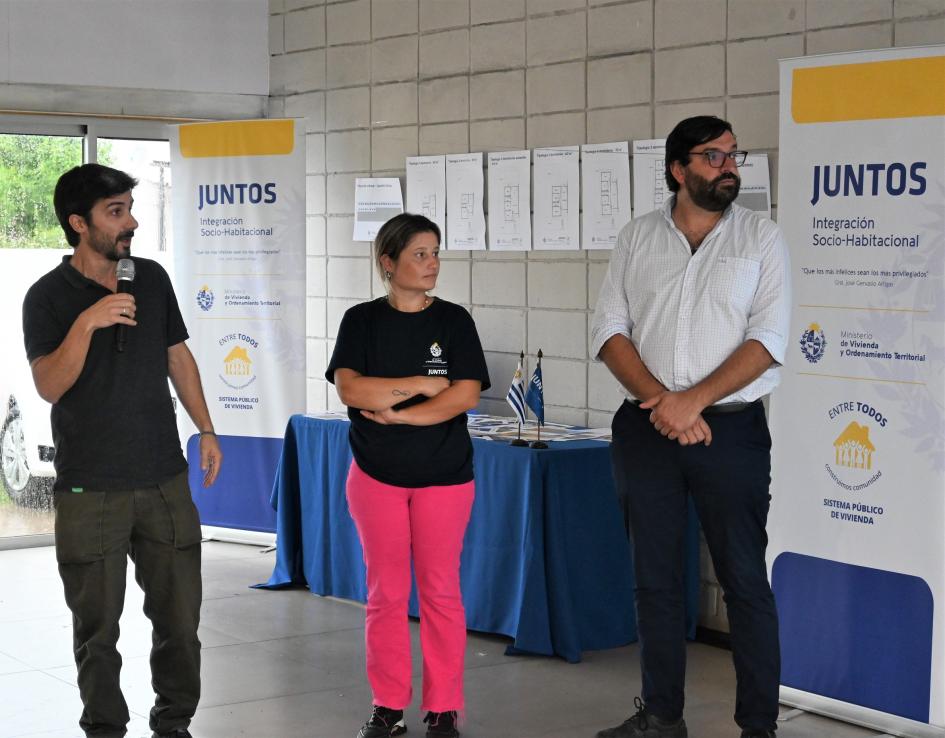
<point x="238" y="370"/>
<point x="237" y="363"/>
<point x="853" y="464"/>
<point x="853" y="448"/>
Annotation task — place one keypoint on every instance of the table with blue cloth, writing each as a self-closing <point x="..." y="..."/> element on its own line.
<point x="545" y="558"/>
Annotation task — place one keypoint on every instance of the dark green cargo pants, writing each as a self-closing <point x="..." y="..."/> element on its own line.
<point x="159" y="529"/>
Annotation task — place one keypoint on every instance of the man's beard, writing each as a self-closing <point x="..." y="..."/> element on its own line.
<point x="108" y="247"/>
<point x="712" y="196"/>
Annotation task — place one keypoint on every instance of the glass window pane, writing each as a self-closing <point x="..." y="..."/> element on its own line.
<point x="30" y="165"/>
<point x="150" y="163"/>
<point x="29" y="168"/>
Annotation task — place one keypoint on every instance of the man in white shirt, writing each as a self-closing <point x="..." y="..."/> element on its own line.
<point x="692" y="320"/>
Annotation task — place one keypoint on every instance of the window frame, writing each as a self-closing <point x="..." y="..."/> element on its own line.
<point x="90" y="129"/>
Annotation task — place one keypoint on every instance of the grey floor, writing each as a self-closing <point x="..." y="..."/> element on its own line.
<point x="288" y="664"/>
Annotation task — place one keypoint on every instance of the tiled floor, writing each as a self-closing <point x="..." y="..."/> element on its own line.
<point x="290" y="665"/>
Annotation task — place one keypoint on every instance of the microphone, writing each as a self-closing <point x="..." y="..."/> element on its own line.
<point x="126" y="275"/>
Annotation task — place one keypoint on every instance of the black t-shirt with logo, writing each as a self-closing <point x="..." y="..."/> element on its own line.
<point x="376" y="340"/>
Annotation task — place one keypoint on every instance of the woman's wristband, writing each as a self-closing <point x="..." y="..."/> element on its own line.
<point x="206" y="433"/>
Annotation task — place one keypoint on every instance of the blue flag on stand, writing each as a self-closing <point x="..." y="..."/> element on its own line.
<point x="534" y="396"/>
<point x="516" y="395"/>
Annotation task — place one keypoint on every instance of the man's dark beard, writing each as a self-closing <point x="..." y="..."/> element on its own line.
<point x="106" y="247"/>
<point x="712" y="196"/>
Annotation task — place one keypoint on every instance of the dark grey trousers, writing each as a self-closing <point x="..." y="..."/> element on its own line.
<point x="96" y="533"/>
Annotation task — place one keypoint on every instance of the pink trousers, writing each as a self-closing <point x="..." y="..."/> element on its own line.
<point x="429" y="523"/>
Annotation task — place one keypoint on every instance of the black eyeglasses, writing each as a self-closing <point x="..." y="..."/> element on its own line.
<point x="717" y="158"/>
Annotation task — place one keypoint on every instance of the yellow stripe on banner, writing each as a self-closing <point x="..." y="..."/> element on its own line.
<point x="237" y="138"/>
<point x="899" y="88"/>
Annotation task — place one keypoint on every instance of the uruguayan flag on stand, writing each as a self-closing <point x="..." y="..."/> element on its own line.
<point x="516" y="395"/>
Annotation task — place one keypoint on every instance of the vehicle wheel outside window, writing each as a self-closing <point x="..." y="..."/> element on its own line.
<point x="20" y="485"/>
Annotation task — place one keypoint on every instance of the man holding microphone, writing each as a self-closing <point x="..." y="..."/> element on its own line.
<point x="102" y="356"/>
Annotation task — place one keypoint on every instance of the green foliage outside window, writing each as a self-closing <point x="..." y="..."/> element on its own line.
<point x="29" y="169"/>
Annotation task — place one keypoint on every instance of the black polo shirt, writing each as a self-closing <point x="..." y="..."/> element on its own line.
<point x="115" y="427"/>
<point x="376" y="340"/>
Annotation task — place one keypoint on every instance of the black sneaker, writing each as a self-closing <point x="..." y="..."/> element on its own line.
<point x="441" y="724"/>
<point x="757" y="733"/>
<point x="383" y="722"/>
<point x="178" y="733"/>
<point x="646" y="725"/>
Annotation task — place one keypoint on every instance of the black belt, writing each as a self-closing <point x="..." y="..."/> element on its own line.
<point x="728" y="407"/>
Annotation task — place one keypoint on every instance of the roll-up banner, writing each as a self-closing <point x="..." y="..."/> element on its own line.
<point x="857" y="523"/>
<point x="239" y="244"/>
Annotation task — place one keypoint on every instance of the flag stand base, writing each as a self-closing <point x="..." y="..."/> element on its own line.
<point x="518" y="442"/>
<point x="539" y="444"/>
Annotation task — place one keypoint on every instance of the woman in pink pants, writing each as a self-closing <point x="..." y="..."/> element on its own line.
<point x="409" y="366"/>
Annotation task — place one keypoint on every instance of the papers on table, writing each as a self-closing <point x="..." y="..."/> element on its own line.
<point x="426" y="189"/>
<point x="557" y="199"/>
<point x="510" y="201"/>
<point x="605" y="183"/>
<point x="376" y="200"/>
<point x="465" y="222"/>
<point x="329" y="415"/>
<point x="498" y="428"/>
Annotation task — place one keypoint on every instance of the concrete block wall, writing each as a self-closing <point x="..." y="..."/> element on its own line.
<point x="379" y="80"/>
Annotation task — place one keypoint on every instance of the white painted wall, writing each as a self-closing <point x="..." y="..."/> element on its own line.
<point x="215" y="46"/>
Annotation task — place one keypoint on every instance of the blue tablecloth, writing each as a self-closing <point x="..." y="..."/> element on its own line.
<point x="545" y="559"/>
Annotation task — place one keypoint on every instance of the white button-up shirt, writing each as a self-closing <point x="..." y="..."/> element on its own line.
<point x="686" y="313"/>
